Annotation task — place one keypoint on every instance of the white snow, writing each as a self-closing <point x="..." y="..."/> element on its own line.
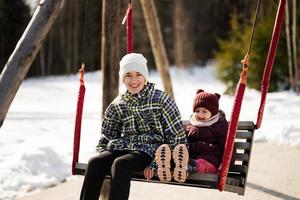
<point x="36" y="139"/>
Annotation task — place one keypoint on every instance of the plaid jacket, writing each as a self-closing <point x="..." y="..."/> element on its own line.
<point x="142" y="122"/>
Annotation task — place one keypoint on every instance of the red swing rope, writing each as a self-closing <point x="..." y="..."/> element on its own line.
<point x="233" y="125"/>
<point x="234" y="118"/>
<point x="80" y="100"/>
<point x="78" y="120"/>
<point x="241" y="89"/>
<point x="81" y="93"/>
<point x="270" y="60"/>
<point x="128" y="19"/>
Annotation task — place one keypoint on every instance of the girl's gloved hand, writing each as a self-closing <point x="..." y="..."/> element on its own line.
<point x="191" y="130"/>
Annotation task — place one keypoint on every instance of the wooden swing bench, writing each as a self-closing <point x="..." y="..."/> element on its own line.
<point x="237" y="174"/>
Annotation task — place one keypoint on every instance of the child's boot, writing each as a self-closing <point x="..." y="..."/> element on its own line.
<point x="181" y="158"/>
<point x="163" y="158"/>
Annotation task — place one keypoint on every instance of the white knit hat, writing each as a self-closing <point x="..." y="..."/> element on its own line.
<point x="133" y="62"/>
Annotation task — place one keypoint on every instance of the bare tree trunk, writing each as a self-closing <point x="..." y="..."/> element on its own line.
<point x="62" y="35"/>
<point x="69" y="40"/>
<point x="183" y="44"/>
<point x="156" y="40"/>
<point x="50" y="53"/>
<point x="42" y="61"/>
<point x="294" y="38"/>
<point x="288" y="43"/>
<point x="25" y="52"/>
<point x="179" y="32"/>
<point x="141" y="39"/>
<point x="76" y="38"/>
<point x="110" y="51"/>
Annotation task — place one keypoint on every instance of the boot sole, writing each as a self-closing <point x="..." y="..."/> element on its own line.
<point x="181" y="158"/>
<point x="163" y="158"/>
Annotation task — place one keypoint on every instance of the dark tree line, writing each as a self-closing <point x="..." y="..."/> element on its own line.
<point x="193" y="33"/>
<point x="72" y="40"/>
<point x="204" y="22"/>
<point x="14" y="16"/>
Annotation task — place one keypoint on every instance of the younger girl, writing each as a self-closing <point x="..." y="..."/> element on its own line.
<point x="206" y="133"/>
<point x="206" y="136"/>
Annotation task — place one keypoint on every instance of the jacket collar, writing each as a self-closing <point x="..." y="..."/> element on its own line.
<point x="144" y="93"/>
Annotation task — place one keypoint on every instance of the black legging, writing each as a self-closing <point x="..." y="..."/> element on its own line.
<point x="121" y="165"/>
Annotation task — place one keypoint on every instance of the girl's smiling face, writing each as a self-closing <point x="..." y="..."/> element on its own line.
<point x="134" y="82"/>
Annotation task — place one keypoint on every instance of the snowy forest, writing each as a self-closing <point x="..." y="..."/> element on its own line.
<point x="195" y="32"/>
<point x="46" y="42"/>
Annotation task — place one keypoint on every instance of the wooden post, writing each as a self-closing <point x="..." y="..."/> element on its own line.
<point x="25" y="52"/>
<point x="105" y="189"/>
<point x="110" y="51"/>
<point x="156" y="40"/>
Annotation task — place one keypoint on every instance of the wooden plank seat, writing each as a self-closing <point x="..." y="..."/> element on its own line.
<point x="237" y="174"/>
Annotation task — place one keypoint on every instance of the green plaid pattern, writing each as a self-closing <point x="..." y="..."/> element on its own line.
<point x="142" y="122"/>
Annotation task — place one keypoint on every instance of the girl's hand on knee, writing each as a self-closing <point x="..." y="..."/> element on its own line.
<point x="148" y="173"/>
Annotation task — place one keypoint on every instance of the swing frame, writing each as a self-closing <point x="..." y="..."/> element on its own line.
<point x="240" y="133"/>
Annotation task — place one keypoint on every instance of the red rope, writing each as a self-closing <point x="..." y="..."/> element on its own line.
<point x="240" y="94"/>
<point x="233" y="124"/>
<point x="77" y="130"/>
<point x="128" y="19"/>
<point x="129" y="31"/>
<point x="270" y="60"/>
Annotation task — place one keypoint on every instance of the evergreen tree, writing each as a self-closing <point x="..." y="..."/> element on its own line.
<point x="234" y="49"/>
<point x="279" y="76"/>
<point x="230" y="54"/>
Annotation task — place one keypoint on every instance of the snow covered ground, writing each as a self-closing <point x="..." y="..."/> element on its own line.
<point x="36" y="139"/>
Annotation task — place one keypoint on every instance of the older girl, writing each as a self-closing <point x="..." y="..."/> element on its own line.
<point x="134" y="126"/>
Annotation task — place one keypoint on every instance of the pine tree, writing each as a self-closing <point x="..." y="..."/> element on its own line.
<point x="230" y="54"/>
<point x="233" y="50"/>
